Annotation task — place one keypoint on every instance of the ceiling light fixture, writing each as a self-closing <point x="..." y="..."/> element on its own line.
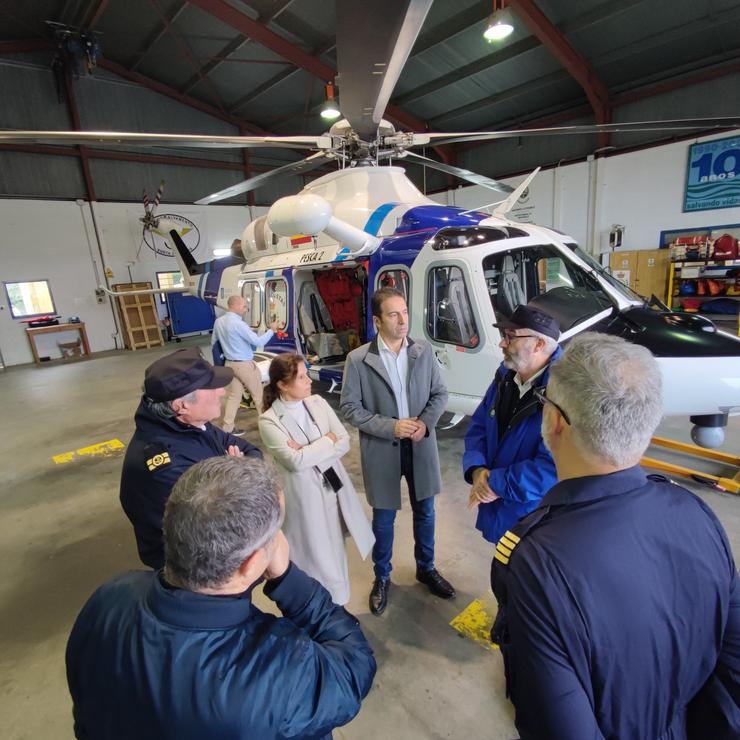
<point x="499" y="24"/>
<point x="330" y="109"/>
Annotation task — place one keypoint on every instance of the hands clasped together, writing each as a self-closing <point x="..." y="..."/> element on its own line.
<point x="414" y="429"/>
<point x="481" y="492"/>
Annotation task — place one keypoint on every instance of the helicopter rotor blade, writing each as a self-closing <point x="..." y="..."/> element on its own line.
<point x="371" y="56"/>
<point x="463" y="174"/>
<point x="685" y="124"/>
<point x="120" y="138"/>
<point x="303" y="165"/>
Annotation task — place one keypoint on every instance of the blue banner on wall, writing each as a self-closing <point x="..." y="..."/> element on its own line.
<point x="713" y="177"/>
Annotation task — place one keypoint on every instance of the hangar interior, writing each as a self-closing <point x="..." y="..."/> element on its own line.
<point x="71" y="217"/>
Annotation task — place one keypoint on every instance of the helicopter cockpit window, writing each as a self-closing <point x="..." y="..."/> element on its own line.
<point x="396" y="278"/>
<point x="543" y="276"/>
<point x="449" y="314"/>
<point x="276" y="300"/>
<point x="251" y="292"/>
<point x="456" y="237"/>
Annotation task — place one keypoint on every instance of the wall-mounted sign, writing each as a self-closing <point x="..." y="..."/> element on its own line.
<point x="186" y="228"/>
<point x="713" y="177"/>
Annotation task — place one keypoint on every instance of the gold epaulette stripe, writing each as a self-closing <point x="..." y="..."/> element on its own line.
<point x="506" y="541"/>
<point x="514" y="538"/>
<point x="501" y="558"/>
<point x="503" y="549"/>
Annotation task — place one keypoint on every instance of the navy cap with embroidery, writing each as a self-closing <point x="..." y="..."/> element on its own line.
<point x="183" y="372"/>
<point x="525" y="317"/>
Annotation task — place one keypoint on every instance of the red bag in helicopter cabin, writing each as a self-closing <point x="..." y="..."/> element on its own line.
<point x="338" y="293"/>
<point x="725" y="248"/>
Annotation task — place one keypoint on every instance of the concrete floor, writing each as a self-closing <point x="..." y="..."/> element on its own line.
<point x="62" y="533"/>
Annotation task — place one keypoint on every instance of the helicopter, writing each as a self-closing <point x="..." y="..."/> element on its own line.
<point x="313" y="261"/>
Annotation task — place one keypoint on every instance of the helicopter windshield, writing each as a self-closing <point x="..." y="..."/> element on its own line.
<point x="543" y="276"/>
<point x="618" y="284"/>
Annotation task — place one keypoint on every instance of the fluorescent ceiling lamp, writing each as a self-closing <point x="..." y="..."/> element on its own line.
<point x="222" y="252"/>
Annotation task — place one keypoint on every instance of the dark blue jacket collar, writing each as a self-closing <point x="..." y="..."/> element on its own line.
<point x="190" y="610"/>
<point x="594" y="487"/>
<point x="151" y="424"/>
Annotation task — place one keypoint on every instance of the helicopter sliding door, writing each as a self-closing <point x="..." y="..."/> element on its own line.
<point x="453" y="325"/>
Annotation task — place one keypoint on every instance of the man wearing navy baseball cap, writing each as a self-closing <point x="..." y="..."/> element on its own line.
<point x="182" y="395"/>
<point x="505" y="459"/>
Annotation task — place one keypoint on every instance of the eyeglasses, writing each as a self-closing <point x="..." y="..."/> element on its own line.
<point x="509" y="337"/>
<point x="540" y="395"/>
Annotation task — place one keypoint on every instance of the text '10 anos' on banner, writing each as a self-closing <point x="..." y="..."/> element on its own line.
<point x="713" y="176"/>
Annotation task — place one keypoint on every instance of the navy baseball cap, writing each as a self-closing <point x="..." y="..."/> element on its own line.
<point x="525" y="317"/>
<point x="183" y="372"/>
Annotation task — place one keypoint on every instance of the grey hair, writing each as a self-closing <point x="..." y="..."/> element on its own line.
<point x="550" y="344"/>
<point x="163" y="409"/>
<point x="612" y="392"/>
<point x="220" y="511"/>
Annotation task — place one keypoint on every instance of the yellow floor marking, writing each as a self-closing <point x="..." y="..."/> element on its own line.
<point x="475" y="622"/>
<point x="101" y="449"/>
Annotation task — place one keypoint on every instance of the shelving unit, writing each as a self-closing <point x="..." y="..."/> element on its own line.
<point x="705" y="270"/>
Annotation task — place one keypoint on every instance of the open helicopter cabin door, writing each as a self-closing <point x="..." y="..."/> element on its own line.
<point x="331" y="305"/>
<point x="547" y="277"/>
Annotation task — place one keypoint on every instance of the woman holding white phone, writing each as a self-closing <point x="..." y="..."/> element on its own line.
<point x="307" y="441"/>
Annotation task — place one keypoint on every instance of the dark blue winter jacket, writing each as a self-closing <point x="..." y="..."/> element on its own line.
<point x="522" y="470"/>
<point x="160" y="451"/>
<point x="148" y="661"/>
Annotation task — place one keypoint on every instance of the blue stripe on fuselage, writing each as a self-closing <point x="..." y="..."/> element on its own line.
<point x="377" y="217"/>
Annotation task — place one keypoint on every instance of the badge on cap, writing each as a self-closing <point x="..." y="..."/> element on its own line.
<point x="158" y="460"/>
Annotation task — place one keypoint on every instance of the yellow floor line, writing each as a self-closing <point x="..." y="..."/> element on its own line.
<point x="101" y="449"/>
<point x="475" y="622"/>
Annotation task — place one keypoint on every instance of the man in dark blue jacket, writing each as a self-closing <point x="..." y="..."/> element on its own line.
<point x="184" y="654"/>
<point x="504" y="458"/>
<point x="619" y="603"/>
<point x="182" y="394"/>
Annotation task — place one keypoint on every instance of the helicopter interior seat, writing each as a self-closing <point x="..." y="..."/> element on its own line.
<point x="510" y="293"/>
<point x="459" y="302"/>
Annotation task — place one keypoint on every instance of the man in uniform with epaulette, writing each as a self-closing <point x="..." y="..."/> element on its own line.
<point x="619" y="604"/>
<point x="505" y="459"/>
<point x="182" y="395"/>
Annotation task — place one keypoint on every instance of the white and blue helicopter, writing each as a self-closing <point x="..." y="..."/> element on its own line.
<point x="313" y="261"/>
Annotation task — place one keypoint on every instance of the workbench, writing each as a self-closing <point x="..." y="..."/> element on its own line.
<point x="33" y="331"/>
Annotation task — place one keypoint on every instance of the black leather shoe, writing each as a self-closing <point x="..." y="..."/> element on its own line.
<point x="436" y="584"/>
<point x="379" y="596"/>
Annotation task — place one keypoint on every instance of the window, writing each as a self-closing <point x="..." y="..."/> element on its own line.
<point x="169" y="280"/>
<point x="32" y="298"/>
<point x="543" y="277"/>
<point x="396" y="278"/>
<point x="276" y="301"/>
<point x="251" y="292"/>
<point x="449" y="314"/>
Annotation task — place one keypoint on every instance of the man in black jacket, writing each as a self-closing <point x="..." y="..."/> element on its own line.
<point x="184" y="653"/>
<point x="182" y="394"/>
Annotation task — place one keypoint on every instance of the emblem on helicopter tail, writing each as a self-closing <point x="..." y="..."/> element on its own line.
<point x="188" y="231"/>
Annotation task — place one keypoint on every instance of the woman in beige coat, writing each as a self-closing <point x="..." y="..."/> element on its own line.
<point x="307" y="441"/>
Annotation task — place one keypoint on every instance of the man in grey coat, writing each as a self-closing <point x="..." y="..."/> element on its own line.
<point x="394" y="394"/>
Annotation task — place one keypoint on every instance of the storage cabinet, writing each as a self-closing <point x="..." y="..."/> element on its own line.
<point x="644" y="270"/>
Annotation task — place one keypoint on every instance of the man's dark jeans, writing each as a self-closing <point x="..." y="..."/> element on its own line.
<point x="423" y="514"/>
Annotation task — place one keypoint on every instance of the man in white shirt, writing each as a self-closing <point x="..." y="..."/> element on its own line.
<point x="238" y="343"/>
<point x="394" y="394"/>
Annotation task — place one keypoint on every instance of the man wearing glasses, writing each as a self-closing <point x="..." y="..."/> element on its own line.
<point x="619" y="602"/>
<point x="505" y="458"/>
